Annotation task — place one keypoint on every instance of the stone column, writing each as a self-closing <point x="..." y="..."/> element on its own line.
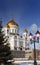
<point x="23" y="44"/>
<point x="17" y="42"/>
<point x="11" y="43"/>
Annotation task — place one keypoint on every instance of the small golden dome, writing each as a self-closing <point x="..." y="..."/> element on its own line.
<point x="10" y="23"/>
<point x="25" y="31"/>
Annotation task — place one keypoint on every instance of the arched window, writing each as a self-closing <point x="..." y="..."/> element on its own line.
<point x="7" y="30"/>
<point x="15" y="30"/>
<point x="15" y="45"/>
<point x="15" y="48"/>
<point x="21" y="48"/>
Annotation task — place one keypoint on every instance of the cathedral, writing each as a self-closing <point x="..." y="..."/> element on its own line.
<point x="19" y="43"/>
<point x="16" y="40"/>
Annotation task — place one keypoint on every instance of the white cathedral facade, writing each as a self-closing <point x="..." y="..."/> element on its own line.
<point x="16" y="40"/>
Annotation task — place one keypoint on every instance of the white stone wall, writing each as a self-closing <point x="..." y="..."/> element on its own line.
<point x="14" y="29"/>
<point x="11" y="41"/>
<point x="16" y="40"/>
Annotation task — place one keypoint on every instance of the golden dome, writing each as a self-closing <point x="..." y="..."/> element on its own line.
<point x="10" y="23"/>
<point x="7" y="26"/>
<point x="25" y="30"/>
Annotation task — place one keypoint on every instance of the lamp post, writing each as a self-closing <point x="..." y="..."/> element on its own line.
<point x="34" y="39"/>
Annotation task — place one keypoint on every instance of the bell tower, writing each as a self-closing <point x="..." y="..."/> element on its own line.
<point x="25" y="33"/>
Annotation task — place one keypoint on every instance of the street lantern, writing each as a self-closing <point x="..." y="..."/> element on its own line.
<point x="30" y="36"/>
<point x="37" y="34"/>
<point x="34" y="39"/>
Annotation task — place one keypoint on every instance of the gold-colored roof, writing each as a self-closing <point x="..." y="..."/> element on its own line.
<point x="7" y="26"/>
<point x="10" y="23"/>
<point x="25" y="30"/>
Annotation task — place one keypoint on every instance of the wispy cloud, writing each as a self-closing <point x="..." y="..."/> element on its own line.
<point x="33" y="28"/>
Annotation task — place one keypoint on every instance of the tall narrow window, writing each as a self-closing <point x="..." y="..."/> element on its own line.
<point x="15" y="48"/>
<point x="15" y="30"/>
<point x="21" y="45"/>
<point x="7" y="30"/>
<point x="15" y="45"/>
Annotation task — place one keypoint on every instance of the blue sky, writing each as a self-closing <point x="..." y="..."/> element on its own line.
<point x="24" y="12"/>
